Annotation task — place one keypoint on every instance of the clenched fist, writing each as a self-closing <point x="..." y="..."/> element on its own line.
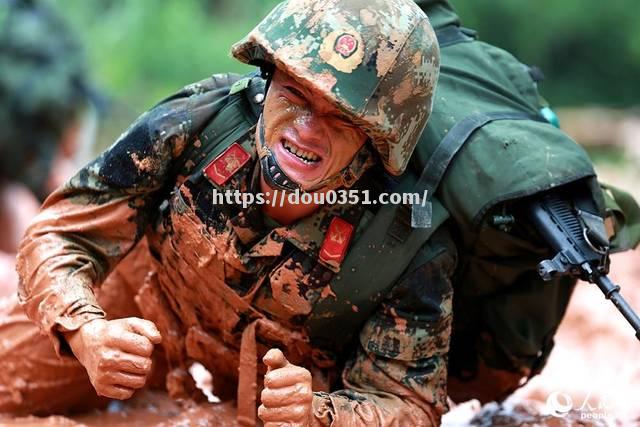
<point x="115" y="353"/>
<point x="287" y="395"/>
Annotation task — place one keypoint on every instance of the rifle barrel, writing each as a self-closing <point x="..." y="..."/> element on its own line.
<point x="612" y="292"/>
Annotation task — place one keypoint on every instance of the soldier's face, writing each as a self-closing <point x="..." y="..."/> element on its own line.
<point x="309" y="137"/>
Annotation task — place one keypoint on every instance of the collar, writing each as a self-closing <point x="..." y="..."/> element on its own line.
<point x="264" y="237"/>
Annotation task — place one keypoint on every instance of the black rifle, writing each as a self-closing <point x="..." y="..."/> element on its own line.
<point x="581" y="244"/>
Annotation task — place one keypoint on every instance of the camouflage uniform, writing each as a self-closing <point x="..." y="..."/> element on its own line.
<point x="227" y="283"/>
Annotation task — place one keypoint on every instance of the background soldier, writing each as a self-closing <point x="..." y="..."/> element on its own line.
<point x="44" y="100"/>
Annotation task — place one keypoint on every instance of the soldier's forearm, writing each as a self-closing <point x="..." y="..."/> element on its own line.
<point x="333" y="409"/>
<point x="59" y="303"/>
<point x="69" y="248"/>
<point x="58" y="267"/>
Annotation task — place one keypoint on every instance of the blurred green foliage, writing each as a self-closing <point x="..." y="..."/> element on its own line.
<point x="589" y="50"/>
<point x="142" y="50"/>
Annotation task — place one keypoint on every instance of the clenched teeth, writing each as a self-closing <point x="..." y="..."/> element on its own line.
<point x="303" y="155"/>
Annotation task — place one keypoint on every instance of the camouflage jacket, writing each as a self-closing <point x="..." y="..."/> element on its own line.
<point x="220" y="271"/>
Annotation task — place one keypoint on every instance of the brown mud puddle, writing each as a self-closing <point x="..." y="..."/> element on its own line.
<point x="147" y="408"/>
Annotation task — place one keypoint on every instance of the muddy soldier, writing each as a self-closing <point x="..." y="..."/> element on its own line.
<point x="350" y="87"/>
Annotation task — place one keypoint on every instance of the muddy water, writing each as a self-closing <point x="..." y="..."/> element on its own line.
<point x="145" y="409"/>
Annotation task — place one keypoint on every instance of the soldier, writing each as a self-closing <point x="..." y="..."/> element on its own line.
<point x="350" y="87"/>
<point x="43" y="95"/>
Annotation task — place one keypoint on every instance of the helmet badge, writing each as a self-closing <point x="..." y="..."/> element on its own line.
<point x="343" y="50"/>
<point x="346" y="45"/>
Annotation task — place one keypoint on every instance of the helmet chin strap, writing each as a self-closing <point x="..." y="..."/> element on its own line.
<point x="271" y="170"/>
<point x="277" y="178"/>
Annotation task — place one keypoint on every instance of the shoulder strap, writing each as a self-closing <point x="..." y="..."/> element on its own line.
<point x="383" y="252"/>
<point x="439" y="162"/>
<point x="373" y="265"/>
<point x="236" y="117"/>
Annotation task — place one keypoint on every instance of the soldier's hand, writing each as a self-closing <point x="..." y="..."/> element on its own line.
<point x="287" y="395"/>
<point x="115" y="353"/>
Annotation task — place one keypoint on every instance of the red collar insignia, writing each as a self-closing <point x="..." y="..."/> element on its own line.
<point x="226" y="164"/>
<point x="336" y="241"/>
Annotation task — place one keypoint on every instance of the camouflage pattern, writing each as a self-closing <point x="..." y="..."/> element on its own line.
<point x="376" y="60"/>
<point x="226" y="282"/>
<point x="42" y="86"/>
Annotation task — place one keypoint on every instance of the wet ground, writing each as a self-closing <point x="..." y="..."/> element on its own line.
<point x="592" y="378"/>
<point x="145" y="409"/>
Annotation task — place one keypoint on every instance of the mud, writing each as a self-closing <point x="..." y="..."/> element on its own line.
<point x="146" y="164"/>
<point x="593" y="367"/>
<point x="145" y="409"/>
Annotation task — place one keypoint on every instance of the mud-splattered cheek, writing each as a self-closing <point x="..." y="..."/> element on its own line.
<point x="278" y="114"/>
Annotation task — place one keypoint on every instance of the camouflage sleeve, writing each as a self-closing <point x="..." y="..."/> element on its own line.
<point x="90" y="223"/>
<point x="398" y="375"/>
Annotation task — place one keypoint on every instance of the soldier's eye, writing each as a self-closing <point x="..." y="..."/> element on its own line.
<point x="295" y="92"/>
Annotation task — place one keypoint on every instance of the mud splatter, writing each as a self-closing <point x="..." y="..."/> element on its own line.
<point x="327" y="292"/>
<point x="145" y="165"/>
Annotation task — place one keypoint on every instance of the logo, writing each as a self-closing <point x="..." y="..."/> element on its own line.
<point x="346" y="45"/>
<point x="343" y="50"/>
<point x="559" y="404"/>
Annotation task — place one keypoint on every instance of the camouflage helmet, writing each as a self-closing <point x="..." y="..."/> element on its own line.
<point x="42" y="87"/>
<point x="375" y="60"/>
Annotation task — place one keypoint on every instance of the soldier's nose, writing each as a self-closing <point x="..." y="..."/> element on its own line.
<point x="311" y="130"/>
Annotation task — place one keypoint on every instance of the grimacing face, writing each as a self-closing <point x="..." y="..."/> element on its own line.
<point x="310" y="138"/>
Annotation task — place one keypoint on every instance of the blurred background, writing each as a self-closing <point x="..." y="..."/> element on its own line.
<point x="138" y="52"/>
<point x="589" y="50"/>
